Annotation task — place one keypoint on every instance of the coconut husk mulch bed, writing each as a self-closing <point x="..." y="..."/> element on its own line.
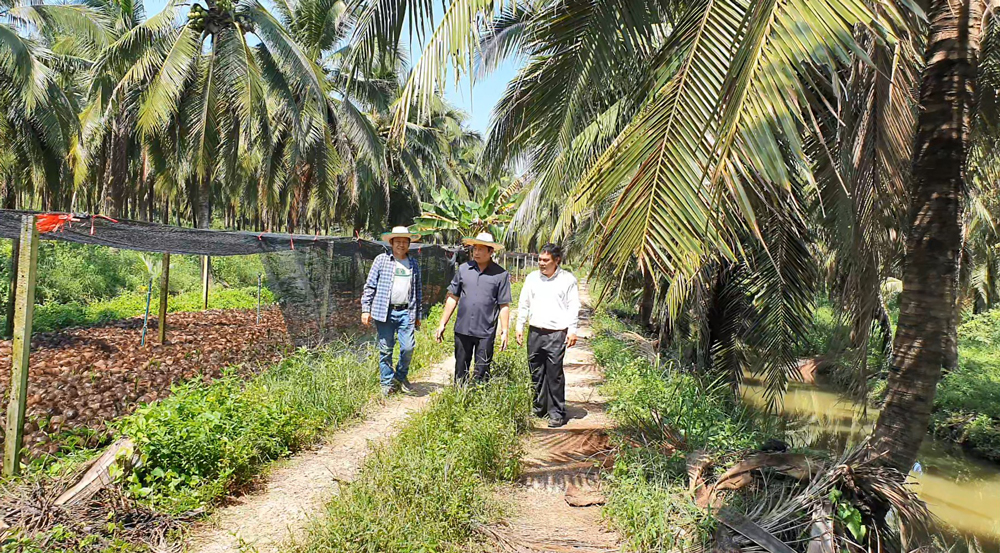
<point x="81" y="378"/>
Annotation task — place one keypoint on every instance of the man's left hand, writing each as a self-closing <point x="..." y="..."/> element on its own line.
<point x="570" y="340"/>
<point x="503" y="340"/>
<point x="417" y="324"/>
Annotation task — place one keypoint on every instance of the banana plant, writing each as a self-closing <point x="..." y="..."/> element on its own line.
<point x="447" y="215"/>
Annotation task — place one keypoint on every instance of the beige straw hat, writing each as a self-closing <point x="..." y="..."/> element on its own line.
<point x="400" y="232"/>
<point x="483" y="239"/>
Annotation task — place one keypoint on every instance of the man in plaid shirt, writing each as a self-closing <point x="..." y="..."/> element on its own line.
<point x="393" y="298"/>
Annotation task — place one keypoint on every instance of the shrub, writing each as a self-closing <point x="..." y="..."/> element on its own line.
<point x="238" y="271"/>
<point x="85" y="285"/>
<point x="204" y="440"/>
<point x="826" y="335"/>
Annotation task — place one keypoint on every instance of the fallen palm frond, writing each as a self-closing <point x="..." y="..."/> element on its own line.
<point x="853" y="503"/>
<point x="643" y="345"/>
<point x="31" y="512"/>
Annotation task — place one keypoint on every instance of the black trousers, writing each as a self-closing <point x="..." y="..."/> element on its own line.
<point x="546" y="350"/>
<point x="469" y="348"/>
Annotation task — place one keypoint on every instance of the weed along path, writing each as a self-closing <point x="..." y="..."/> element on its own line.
<point x="297" y="489"/>
<point x="556" y="503"/>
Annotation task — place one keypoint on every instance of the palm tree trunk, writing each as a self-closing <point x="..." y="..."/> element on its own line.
<point x="648" y="297"/>
<point x="933" y="245"/>
<point x="204" y="203"/>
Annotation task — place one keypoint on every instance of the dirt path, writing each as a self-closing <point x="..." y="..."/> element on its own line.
<point x="298" y="489"/>
<point x="563" y="465"/>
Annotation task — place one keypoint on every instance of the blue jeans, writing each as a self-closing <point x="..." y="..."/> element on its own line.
<point x="398" y="323"/>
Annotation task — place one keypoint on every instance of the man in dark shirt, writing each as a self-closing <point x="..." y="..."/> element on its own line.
<point x="481" y="290"/>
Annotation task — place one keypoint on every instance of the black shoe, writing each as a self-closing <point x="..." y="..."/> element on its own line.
<point x="540" y="414"/>
<point x="404" y="385"/>
<point x="556" y="423"/>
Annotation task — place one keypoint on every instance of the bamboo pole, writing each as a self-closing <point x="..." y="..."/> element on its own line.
<point x="164" y="290"/>
<point x="21" y="348"/>
<point x="8" y="329"/>
<point x="206" y="269"/>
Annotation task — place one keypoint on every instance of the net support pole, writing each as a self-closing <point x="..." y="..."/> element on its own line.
<point x="259" y="278"/>
<point x="8" y="328"/>
<point x="24" y="307"/>
<point x="145" y="318"/>
<point x="164" y="289"/>
<point x="206" y="269"/>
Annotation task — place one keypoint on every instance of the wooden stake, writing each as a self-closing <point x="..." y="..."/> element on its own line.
<point x="164" y="289"/>
<point x="24" y="307"/>
<point x="8" y="329"/>
<point x="145" y="318"/>
<point x="206" y="269"/>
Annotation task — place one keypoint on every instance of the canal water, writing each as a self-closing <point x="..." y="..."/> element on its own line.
<point x="962" y="490"/>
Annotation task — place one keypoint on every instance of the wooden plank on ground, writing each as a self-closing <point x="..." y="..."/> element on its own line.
<point x="24" y="306"/>
<point x="97" y="477"/>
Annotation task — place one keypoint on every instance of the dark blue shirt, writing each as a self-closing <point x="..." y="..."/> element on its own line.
<point x="480" y="295"/>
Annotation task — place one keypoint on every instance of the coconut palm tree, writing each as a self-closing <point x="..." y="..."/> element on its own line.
<point x="630" y="141"/>
<point x="928" y="302"/>
<point x="698" y="133"/>
<point x="38" y="120"/>
<point x="200" y="78"/>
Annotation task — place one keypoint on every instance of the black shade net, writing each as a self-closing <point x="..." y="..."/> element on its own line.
<point x="317" y="280"/>
<point x="319" y="289"/>
<point x="154" y="237"/>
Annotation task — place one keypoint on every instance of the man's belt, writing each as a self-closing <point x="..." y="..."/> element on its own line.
<point x="399" y="306"/>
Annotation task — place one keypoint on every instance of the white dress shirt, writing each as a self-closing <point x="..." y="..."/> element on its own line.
<point x="549" y="303"/>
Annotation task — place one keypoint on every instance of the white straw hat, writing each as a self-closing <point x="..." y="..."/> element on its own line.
<point x="483" y="239"/>
<point x="400" y="232"/>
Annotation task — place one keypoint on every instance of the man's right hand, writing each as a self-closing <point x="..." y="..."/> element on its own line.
<point x="519" y="337"/>
<point x="439" y="335"/>
<point x="366" y="319"/>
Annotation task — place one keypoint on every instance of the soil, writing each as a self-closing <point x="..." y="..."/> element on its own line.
<point x="297" y="490"/>
<point x="81" y="378"/>
<point x="562" y="466"/>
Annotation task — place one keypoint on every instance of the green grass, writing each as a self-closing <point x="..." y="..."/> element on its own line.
<point x="967" y="404"/>
<point x="428" y="488"/>
<point x="204" y="441"/>
<point x="648" y="502"/>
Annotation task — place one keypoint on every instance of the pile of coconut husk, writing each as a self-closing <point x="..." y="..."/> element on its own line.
<point x="782" y="502"/>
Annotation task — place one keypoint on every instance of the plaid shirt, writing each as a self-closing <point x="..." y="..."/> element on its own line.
<point x="375" y="298"/>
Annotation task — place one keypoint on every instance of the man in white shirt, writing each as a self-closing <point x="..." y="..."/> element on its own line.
<point x="550" y="302"/>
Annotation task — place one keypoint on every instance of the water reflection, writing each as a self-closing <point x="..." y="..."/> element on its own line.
<point x="962" y="490"/>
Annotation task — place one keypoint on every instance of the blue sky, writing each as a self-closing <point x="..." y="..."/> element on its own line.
<point x="478" y="104"/>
